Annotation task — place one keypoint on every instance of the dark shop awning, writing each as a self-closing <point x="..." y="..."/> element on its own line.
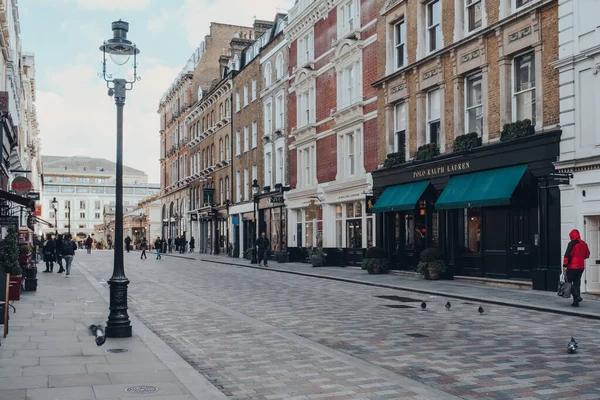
<point x="400" y="197"/>
<point x="481" y="189"/>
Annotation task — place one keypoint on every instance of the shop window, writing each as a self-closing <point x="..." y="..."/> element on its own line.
<point x="471" y="230"/>
<point x="524" y="87"/>
<point x="299" y="220"/>
<point x="474" y="105"/>
<point x="354" y="225"/>
<point x="370" y="241"/>
<point x="339" y="225"/>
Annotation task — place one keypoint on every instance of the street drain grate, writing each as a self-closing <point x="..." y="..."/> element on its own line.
<point x="397" y="306"/>
<point x="141" y="389"/>
<point x="116" y="351"/>
<point x="416" y="335"/>
<point x="400" y="299"/>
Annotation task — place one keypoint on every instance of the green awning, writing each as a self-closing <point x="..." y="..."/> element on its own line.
<point x="400" y="197"/>
<point x="481" y="189"/>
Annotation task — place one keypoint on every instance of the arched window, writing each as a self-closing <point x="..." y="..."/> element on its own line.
<point x="268" y="74"/>
<point x="227" y="147"/>
<point x="212" y="118"/>
<point x="279" y="66"/>
<point x="221" y="111"/>
<point x="227" y="108"/>
<point x="221" y="158"/>
<point x="212" y="154"/>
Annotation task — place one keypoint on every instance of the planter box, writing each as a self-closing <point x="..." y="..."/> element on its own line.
<point x="30" y="284"/>
<point x="15" y="290"/>
<point x="281" y="257"/>
<point x="23" y="259"/>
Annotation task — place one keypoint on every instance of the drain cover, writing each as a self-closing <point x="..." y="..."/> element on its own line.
<point x="397" y="306"/>
<point x="400" y="299"/>
<point x="416" y="335"/>
<point x="141" y="389"/>
<point x="116" y="350"/>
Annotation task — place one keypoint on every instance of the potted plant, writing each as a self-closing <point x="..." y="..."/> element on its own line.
<point x="376" y="261"/>
<point x="517" y="130"/>
<point x="427" y="152"/>
<point x="466" y="142"/>
<point x="281" y="256"/>
<point x="9" y="261"/>
<point x="394" y="159"/>
<point x="248" y="254"/>
<point x="317" y="257"/>
<point x="432" y="263"/>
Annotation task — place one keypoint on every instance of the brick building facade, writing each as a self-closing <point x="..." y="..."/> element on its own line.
<point x="451" y="68"/>
<point x="333" y="119"/>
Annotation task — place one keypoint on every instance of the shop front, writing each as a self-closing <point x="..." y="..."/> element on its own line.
<point x="491" y="211"/>
<point x="272" y="219"/>
<point x="242" y="236"/>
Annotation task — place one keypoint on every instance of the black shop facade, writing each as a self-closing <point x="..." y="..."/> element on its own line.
<point x="493" y="211"/>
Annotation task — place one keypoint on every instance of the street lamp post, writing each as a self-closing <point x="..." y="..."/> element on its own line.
<point x="255" y="188"/>
<point x="69" y="215"/>
<point x="55" y="207"/>
<point x="120" y="50"/>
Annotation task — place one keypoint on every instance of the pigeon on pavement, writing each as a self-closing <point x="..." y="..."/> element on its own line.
<point x="572" y="346"/>
<point x="423" y="305"/>
<point x="480" y="309"/>
<point x="448" y="306"/>
<point x="96" y="330"/>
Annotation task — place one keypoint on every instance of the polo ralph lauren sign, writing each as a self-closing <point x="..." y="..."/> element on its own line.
<point x="442" y="170"/>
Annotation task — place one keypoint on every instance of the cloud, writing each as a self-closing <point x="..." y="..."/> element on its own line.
<point x="195" y="16"/>
<point x="113" y="4"/>
<point x="78" y="118"/>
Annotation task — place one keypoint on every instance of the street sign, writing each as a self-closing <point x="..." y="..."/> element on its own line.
<point x="33" y="195"/>
<point x="561" y="179"/>
<point x="21" y="185"/>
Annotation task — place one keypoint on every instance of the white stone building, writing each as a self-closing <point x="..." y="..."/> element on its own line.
<point x="83" y="186"/>
<point x="579" y="67"/>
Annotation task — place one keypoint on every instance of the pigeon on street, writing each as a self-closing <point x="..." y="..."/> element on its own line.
<point x="448" y="306"/>
<point x="423" y="305"/>
<point x="480" y="309"/>
<point x="96" y="330"/>
<point x="572" y="346"/>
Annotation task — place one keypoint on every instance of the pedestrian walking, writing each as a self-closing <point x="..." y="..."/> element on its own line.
<point x="109" y="243"/>
<point x="192" y="244"/>
<point x="574" y="264"/>
<point x="262" y="244"/>
<point x="69" y="247"/>
<point x="177" y="242"/>
<point x="59" y="245"/>
<point x="170" y="245"/>
<point x="158" y="244"/>
<point x="182" y="244"/>
<point x="127" y="243"/>
<point x="49" y="253"/>
<point x="144" y="246"/>
<point x="88" y="244"/>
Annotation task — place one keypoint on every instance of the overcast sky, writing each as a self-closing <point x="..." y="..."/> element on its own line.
<point x="75" y="114"/>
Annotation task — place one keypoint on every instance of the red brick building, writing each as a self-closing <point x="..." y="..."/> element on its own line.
<point x="333" y="118"/>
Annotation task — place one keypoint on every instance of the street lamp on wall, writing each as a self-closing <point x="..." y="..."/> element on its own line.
<point x="120" y="50"/>
<point x="55" y="208"/>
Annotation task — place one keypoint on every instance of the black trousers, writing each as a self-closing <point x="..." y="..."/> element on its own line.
<point x="261" y="255"/>
<point x="574" y="277"/>
<point x="143" y="254"/>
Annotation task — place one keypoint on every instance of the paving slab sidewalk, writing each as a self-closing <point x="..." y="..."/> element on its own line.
<point x="48" y="353"/>
<point x="528" y="299"/>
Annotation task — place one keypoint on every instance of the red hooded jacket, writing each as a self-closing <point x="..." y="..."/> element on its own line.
<point x="577" y="252"/>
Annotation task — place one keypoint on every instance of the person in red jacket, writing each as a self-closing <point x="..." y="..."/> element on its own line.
<point x="574" y="263"/>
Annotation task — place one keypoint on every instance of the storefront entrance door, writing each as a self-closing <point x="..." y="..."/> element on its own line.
<point x="592" y="265"/>
<point x="495" y="243"/>
<point x="521" y="246"/>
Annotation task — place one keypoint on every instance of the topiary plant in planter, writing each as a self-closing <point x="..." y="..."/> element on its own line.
<point x="394" y="159"/>
<point x="376" y="261"/>
<point x="517" y="130"/>
<point x="248" y="254"/>
<point x="427" y="152"/>
<point x="317" y="257"/>
<point x="432" y="263"/>
<point x="466" y="142"/>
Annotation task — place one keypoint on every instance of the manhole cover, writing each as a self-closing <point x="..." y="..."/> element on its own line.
<point x="400" y="299"/>
<point x="141" y="389"/>
<point x="117" y="351"/>
<point x="416" y="335"/>
<point x="397" y="306"/>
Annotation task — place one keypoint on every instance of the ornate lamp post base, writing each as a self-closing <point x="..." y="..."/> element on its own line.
<point x="118" y="324"/>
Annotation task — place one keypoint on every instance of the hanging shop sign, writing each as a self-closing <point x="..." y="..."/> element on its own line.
<point x="271" y="201"/>
<point x="194" y="217"/>
<point x="21" y="185"/>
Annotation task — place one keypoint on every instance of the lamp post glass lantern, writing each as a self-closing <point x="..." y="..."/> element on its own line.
<point x="119" y="50"/>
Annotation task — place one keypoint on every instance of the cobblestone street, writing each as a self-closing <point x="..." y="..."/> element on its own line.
<point x="265" y="335"/>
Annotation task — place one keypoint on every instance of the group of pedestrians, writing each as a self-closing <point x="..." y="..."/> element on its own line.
<point x="57" y="250"/>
